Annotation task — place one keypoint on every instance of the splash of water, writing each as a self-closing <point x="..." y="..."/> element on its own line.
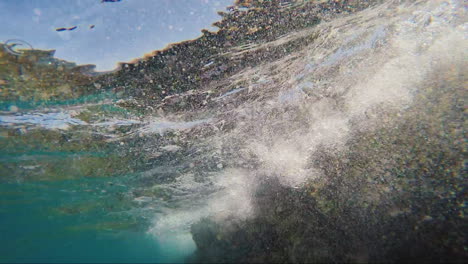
<point x="360" y="67"/>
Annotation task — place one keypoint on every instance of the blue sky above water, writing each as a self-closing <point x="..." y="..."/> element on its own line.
<point x="123" y="30"/>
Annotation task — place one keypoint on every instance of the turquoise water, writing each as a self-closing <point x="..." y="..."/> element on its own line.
<point x="79" y="220"/>
<point x="49" y="212"/>
<point x="28" y="105"/>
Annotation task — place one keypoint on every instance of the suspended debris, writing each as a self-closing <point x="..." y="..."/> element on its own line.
<point x="63" y="29"/>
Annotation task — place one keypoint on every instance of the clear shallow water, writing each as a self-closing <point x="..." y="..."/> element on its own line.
<point x="76" y="217"/>
<point x="80" y="220"/>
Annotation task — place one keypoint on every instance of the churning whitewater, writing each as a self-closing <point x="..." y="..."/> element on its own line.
<point x="359" y="69"/>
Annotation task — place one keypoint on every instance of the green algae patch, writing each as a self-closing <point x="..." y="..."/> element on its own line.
<point x="96" y="113"/>
<point x="62" y="167"/>
<point x="48" y="140"/>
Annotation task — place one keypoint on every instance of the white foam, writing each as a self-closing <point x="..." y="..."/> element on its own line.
<point x="327" y="93"/>
<point x="163" y="126"/>
<point x="58" y="120"/>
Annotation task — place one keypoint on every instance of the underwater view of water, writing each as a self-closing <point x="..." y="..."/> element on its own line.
<point x="74" y="217"/>
<point x="300" y="131"/>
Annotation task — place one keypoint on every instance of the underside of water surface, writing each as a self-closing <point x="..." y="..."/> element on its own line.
<point x="300" y="131"/>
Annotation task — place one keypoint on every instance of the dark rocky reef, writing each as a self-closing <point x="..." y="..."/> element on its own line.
<point x="398" y="194"/>
<point x="181" y="67"/>
<point x="214" y="56"/>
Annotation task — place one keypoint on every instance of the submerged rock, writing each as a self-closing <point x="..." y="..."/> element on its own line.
<point x="377" y="175"/>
